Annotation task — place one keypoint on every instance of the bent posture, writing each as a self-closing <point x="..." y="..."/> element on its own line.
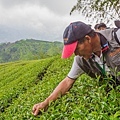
<point x="96" y="54"/>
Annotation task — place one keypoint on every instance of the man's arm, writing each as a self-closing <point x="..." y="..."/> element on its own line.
<point x="63" y="87"/>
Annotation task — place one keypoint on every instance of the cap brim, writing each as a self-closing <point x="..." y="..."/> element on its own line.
<point x="68" y="50"/>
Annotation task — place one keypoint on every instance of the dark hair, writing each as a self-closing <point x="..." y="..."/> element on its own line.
<point x="96" y="26"/>
<point x="117" y="23"/>
<point x="102" y="25"/>
<point x="92" y="33"/>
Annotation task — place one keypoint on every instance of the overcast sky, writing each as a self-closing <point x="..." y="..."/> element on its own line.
<point x="36" y="19"/>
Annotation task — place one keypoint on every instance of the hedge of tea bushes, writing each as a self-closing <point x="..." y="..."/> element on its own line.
<point x="85" y="101"/>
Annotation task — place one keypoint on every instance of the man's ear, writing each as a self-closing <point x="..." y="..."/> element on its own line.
<point x="88" y="38"/>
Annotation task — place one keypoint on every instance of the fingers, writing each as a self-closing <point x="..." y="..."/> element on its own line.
<point x="36" y="112"/>
<point x="35" y="109"/>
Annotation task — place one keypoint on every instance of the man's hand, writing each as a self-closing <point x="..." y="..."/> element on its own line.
<point x="62" y="88"/>
<point x="37" y="107"/>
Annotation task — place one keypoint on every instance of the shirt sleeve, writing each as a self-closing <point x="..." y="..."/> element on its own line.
<point x="75" y="71"/>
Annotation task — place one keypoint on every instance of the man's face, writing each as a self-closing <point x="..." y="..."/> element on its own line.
<point x="84" y="49"/>
<point x="102" y="28"/>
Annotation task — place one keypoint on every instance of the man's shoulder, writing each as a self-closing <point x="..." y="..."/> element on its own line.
<point x="77" y="57"/>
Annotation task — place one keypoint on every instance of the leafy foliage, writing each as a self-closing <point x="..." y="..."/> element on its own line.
<point x="28" y="50"/>
<point x="26" y="83"/>
<point x="100" y="10"/>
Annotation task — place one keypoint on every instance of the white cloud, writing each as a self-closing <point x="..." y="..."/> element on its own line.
<point x="40" y="19"/>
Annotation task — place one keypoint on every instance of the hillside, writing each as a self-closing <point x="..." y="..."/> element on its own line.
<point x="25" y="83"/>
<point x="29" y="49"/>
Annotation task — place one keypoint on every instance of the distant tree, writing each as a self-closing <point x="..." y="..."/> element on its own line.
<point x="98" y="10"/>
<point x="6" y="57"/>
<point x="14" y="49"/>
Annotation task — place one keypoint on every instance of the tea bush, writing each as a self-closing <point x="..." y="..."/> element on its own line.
<point x="24" y="84"/>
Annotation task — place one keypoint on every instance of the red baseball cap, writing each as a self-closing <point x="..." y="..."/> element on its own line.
<point x="69" y="49"/>
<point x="72" y="34"/>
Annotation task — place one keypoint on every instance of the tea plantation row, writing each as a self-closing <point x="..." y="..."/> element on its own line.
<point x="25" y="83"/>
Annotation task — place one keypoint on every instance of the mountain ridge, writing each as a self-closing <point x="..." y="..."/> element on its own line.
<point x="29" y="49"/>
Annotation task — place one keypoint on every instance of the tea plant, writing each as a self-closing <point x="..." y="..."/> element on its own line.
<point x="20" y="81"/>
<point x="87" y="100"/>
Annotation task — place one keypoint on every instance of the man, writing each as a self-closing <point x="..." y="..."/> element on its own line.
<point x="88" y="47"/>
<point x="102" y="26"/>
